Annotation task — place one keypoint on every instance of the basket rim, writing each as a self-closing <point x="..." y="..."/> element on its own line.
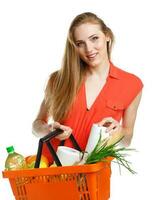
<point x="88" y="168"/>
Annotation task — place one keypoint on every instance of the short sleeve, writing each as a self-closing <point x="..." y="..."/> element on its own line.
<point x="134" y="86"/>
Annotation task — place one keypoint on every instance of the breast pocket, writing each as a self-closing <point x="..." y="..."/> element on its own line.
<point x="114" y="108"/>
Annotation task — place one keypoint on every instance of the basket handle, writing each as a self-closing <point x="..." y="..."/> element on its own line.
<point x="46" y="139"/>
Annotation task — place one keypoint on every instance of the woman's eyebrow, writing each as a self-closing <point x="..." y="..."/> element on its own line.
<point x="88" y="38"/>
<point x="91" y="36"/>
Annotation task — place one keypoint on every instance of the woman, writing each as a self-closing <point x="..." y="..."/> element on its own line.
<point x="89" y="88"/>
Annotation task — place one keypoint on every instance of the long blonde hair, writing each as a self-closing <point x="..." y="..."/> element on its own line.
<point x="63" y="85"/>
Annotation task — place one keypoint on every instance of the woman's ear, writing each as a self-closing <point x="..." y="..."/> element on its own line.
<point x="108" y="38"/>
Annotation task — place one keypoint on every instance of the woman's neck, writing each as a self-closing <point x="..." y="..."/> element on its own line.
<point x="101" y="71"/>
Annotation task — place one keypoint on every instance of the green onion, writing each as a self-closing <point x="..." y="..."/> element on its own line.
<point x="102" y="151"/>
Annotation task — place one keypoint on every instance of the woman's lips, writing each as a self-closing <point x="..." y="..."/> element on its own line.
<point x="91" y="56"/>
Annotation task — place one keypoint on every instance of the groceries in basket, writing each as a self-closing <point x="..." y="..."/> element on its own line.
<point x="68" y="156"/>
<point x="89" y="179"/>
<point x="101" y="147"/>
<point x="14" y="160"/>
<point x="30" y="161"/>
<point x="95" y="133"/>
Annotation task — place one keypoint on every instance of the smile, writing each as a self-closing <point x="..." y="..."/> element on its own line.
<point x="91" y="56"/>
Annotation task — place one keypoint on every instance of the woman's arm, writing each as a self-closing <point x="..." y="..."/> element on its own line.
<point x="40" y="125"/>
<point x="128" y="121"/>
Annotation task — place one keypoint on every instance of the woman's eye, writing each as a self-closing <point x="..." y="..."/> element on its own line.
<point x="95" y="38"/>
<point x="80" y="44"/>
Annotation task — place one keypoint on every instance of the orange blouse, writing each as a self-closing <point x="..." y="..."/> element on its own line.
<point x="118" y="92"/>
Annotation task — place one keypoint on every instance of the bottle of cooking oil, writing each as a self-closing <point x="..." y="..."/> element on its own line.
<point x="14" y="161"/>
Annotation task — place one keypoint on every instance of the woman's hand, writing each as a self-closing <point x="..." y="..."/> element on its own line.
<point x="113" y="128"/>
<point x="111" y="124"/>
<point x="66" y="131"/>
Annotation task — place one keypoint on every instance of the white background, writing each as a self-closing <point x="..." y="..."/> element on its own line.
<point x="32" y="39"/>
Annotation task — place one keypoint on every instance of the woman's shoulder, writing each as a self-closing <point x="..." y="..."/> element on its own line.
<point x="128" y="77"/>
<point x="51" y="80"/>
<point x="54" y="74"/>
<point x="128" y="84"/>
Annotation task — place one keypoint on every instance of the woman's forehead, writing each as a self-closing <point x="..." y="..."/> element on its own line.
<point x="85" y="30"/>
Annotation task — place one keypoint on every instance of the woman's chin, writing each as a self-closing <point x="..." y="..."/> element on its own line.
<point x="93" y="64"/>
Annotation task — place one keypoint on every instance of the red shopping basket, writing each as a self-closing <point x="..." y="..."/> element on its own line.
<point x="82" y="182"/>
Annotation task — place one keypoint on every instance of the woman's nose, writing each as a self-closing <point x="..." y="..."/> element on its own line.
<point x="88" y="48"/>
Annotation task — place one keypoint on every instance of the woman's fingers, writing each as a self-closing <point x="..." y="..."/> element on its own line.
<point x="63" y="136"/>
<point x="106" y="121"/>
<point x="111" y="124"/>
<point x="56" y="125"/>
<point x="66" y="131"/>
<point x="113" y="127"/>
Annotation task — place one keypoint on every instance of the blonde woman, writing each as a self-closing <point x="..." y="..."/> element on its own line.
<point x="89" y="88"/>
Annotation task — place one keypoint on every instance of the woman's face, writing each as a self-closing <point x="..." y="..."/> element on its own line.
<point x="91" y="44"/>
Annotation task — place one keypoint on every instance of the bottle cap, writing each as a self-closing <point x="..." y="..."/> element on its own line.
<point x="10" y="149"/>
